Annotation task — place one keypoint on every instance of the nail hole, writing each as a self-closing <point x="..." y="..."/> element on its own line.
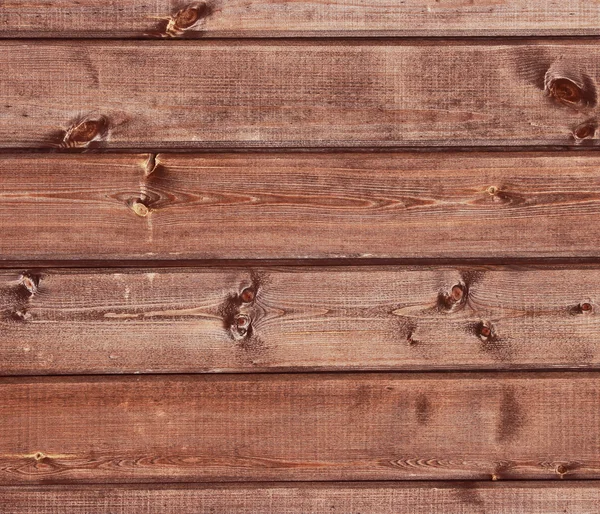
<point x="492" y="190"/>
<point x="39" y="456"/>
<point x="585" y="307"/>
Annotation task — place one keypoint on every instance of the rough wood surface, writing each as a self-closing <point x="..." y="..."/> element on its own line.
<point x="260" y="18"/>
<point x="270" y="319"/>
<point x="303" y="426"/>
<point x="572" y="497"/>
<point x="296" y="206"/>
<point x="75" y="94"/>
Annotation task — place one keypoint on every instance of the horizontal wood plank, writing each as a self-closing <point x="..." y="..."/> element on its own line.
<point x="75" y="94"/>
<point x="359" y="426"/>
<point x="263" y="18"/>
<point x="299" y="206"/>
<point x="297" y="319"/>
<point x="572" y="497"/>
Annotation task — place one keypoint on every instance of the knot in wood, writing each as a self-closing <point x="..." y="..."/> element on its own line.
<point x="566" y="91"/>
<point x="585" y="131"/>
<point x="242" y="326"/>
<point x="585" y="307"/>
<point x="140" y="208"/>
<point x="457" y="293"/>
<point x="29" y="282"/>
<point x="242" y="321"/>
<point x="485" y="331"/>
<point x="85" y="132"/>
<point x="247" y="295"/>
<point x="189" y="15"/>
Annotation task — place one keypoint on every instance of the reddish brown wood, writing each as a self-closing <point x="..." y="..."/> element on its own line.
<point x="265" y="18"/>
<point x="298" y="206"/>
<point x="297" y="319"/>
<point x="304" y="426"/>
<point x="299" y="498"/>
<point x="81" y="94"/>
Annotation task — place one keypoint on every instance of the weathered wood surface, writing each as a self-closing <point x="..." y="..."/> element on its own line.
<point x="571" y="497"/>
<point x="297" y="319"/>
<point x="263" y="18"/>
<point x="296" y="206"/>
<point x="74" y="94"/>
<point x="257" y="427"/>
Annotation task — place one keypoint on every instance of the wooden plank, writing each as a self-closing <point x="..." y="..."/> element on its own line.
<point x="265" y="18"/>
<point x="302" y="426"/>
<point x="297" y="319"/>
<point x="573" y="497"/>
<point x="299" y="206"/>
<point x="74" y="94"/>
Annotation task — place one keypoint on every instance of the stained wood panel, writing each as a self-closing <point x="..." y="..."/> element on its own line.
<point x="299" y="427"/>
<point x="572" y="497"/>
<point x="75" y="94"/>
<point x="260" y="18"/>
<point x="298" y="206"/>
<point x="297" y="319"/>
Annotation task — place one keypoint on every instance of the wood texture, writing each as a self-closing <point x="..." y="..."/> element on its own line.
<point x="299" y="427"/>
<point x="573" y="497"/>
<point x="259" y="18"/>
<point x="299" y="206"/>
<point x="344" y="94"/>
<point x="299" y="319"/>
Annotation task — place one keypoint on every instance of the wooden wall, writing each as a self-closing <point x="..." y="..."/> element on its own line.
<point x="299" y="256"/>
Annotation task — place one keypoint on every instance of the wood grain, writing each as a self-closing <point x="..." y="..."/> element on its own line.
<point x="75" y="94"/>
<point x="572" y="497"/>
<point x="299" y="206"/>
<point x="298" y="319"/>
<point x="264" y="18"/>
<point x="359" y="426"/>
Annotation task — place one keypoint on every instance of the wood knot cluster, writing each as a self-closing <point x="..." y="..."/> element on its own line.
<point x="238" y="311"/>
